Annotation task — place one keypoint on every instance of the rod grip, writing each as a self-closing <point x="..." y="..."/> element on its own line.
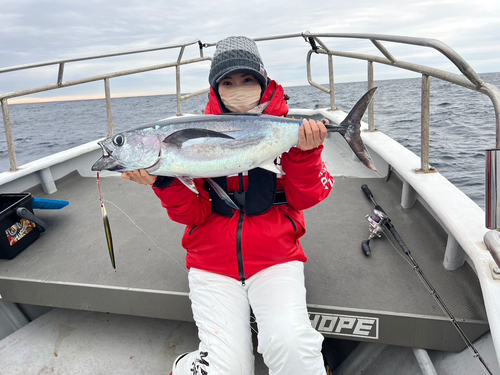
<point x="398" y="238"/>
<point x="367" y="191"/>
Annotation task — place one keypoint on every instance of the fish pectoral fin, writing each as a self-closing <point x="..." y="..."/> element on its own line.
<point x="222" y="194"/>
<point x="270" y="166"/>
<point x="189" y="183"/>
<point x="179" y="137"/>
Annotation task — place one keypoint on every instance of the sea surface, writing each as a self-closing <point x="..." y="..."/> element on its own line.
<point x="462" y="122"/>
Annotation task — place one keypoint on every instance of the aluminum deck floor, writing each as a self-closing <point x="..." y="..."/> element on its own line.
<point x="377" y="298"/>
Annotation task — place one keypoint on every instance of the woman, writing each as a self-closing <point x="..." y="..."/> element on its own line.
<point x="249" y="258"/>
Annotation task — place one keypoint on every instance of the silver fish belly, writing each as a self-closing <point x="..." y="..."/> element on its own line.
<point x="251" y="142"/>
<point x="213" y="146"/>
<point x="204" y="146"/>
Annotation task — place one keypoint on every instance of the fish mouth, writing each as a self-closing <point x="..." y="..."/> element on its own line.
<point x="109" y="163"/>
<point x="106" y="161"/>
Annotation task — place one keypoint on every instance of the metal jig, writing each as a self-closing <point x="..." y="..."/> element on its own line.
<point x="107" y="228"/>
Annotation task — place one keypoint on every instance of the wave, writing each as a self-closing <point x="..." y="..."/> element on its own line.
<point x="462" y="122"/>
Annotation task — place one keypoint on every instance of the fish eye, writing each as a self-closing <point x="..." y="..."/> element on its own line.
<point x="118" y="140"/>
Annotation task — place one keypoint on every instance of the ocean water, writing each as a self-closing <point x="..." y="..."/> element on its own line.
<point x="462" y="122"/>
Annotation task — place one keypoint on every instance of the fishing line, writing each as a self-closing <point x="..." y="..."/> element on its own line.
<point x="384" y="221"/>
<point x="250" y="320"/>
<point x="401" y="254"/>
<point x="110" y="246"/>
<point x="411" y="261"/>
<point x="180" y="265"/>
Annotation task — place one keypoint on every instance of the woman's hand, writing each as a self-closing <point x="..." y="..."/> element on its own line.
<point x="312" y="134"/>
<point x="141" y="177"/>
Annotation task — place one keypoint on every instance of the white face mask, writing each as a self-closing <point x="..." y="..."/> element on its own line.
<point x="241" y="99"/>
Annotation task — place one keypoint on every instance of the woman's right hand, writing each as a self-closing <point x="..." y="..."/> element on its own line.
<point x="141" y="177"/>
<point x="312" y="134"/>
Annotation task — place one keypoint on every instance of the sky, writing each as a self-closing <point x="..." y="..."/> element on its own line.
<point x="49" y="30"/>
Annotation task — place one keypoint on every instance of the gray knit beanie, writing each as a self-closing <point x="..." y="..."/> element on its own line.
<point x="236" y="53"/>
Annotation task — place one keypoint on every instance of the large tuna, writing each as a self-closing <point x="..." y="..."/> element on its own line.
<point x="213" y="146"/>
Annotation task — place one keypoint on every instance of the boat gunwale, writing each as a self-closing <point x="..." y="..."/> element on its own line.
<point x="468" y="233"/>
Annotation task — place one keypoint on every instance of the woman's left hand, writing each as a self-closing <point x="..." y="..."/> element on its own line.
<point x="141" y="177"/>
<point x="312" y="134"/>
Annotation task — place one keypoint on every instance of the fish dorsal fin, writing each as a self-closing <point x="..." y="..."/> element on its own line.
<point x="259" y="109"/>
<point x="179" y="137"/>
<point x="270" y="166"/>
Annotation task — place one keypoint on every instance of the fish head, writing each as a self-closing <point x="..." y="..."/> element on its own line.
<point x="128" y="151"/>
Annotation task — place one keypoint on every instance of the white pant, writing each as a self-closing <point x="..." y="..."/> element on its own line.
<point x="221" y="308"/>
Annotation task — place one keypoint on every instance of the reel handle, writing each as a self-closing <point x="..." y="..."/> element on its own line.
<point x="365" y="246"/>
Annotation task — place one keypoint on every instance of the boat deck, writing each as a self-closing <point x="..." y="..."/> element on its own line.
<point x="377" y="298"/>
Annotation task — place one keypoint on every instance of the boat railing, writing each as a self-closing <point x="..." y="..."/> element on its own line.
<point x="60" y="83"/>
<point x="319" y="45"/>
<point x="468" y="79"/>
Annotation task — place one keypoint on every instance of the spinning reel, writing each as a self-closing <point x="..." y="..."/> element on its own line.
<point x="377" y="221"/>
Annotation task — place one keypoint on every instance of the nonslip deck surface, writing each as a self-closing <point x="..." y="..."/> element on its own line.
<point x="73" y="342"/>
<point x="69" y="266"/>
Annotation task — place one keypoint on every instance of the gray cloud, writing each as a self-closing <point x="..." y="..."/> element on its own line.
<point x="45" y="30"/>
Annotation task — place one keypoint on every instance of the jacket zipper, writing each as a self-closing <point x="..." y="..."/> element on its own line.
<point x="239" y="253"/>
<point x="239" y="236"/>
<point x="291" y="221"/>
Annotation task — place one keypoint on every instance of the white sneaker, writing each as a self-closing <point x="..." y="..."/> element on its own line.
<point x="177" y="360"/>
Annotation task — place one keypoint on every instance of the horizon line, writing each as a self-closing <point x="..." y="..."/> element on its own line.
<point x="70" y="98"/>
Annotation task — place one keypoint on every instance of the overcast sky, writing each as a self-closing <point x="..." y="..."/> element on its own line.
<point x="46" y="30"/>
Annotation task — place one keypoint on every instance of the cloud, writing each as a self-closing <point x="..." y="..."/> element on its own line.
<point x="46" y="30"/>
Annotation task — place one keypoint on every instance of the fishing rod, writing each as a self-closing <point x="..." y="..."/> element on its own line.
<point x="380" y="220"/>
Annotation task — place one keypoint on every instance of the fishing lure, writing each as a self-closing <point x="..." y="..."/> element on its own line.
<point x="107" y="228"/>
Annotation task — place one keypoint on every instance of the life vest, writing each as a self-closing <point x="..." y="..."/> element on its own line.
<point x="261" y="193"/>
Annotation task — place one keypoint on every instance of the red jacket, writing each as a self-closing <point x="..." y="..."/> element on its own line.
<point x="274" y="94"/>
<point x="241" y="245"/>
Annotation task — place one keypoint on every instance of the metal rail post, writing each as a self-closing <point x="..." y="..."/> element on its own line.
<point x="371" y="106"/>
<point x="333" y="106"/>
<point x="108" y="106"/>
<point x="8" y="135"/>
<point x="60" y="74"/>
<point x="425" y="121"/>
<point x="178" y="82"/>
<point x="331" y="75"/>
<point x="60" y="84"/>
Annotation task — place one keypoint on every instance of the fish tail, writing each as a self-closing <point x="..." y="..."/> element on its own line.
<point x="352" y="126"/>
